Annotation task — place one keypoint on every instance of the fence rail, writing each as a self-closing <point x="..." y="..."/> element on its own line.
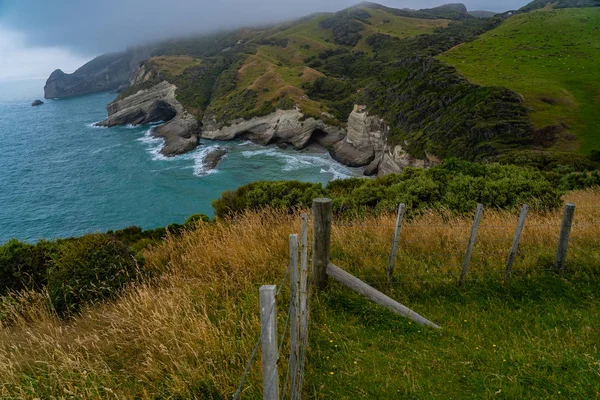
<point x="458" y="258"/>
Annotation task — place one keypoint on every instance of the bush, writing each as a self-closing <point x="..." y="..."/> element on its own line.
<point x="456" y="185"/>
<point x="282" y="194"/>
<point x="24" y="266"/>
<point x="194" y="219"/>
<point x="91" y="268"/>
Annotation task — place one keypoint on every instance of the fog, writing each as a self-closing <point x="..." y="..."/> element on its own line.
<point x="92" y="27"/>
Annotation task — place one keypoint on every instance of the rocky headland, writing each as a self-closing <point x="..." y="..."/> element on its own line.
<point x="360" y="143"/>
<point x="108" y="72"/>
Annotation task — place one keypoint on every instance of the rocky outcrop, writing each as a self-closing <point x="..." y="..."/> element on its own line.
<point x="145" y="106"/>
<point x="37" y="103"/>
<point x="283" y="126"/>
<point x="364" y="139"/>
<point x="361" y="144"/>
<point x="181" y="131"/>
<point x="212" y="159"/>
<point x="395" y="159"/>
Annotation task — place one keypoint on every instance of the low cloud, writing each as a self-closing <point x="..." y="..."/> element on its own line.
<point x="108" y="25"/>
<point x="20" y="61"/>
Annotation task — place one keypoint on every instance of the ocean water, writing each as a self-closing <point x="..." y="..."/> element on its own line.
<point x="60" y="176"/>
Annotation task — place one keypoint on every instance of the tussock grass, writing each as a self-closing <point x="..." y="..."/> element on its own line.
<point x="190" y="331"/>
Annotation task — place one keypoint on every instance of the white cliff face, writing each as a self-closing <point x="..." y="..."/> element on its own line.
<point x="158" y="103"/>
<point x="282" y="126"/>
<point x="395" y="159"/>
<point x="365" y="130"/>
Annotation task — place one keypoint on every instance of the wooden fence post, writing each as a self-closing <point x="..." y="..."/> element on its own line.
<point x="304" y="279"/>
<point x="294" y="308"/>
<point x="296" y="391"/>
<point x="396" y="241"/>
<point x="474" y="229"/>
<point x="270" y="352"/>
<point x="563" y="239"/>
<point x="515" y="244"/>
<point x="322" y="210"/>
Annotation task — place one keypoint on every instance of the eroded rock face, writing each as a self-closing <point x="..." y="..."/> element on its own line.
<point x="150" y="105"/>
<point x="282" y="126"/>
<point x="396" y="159"/>
<point x="181" y="131"/>
<point x="364" y="139"/>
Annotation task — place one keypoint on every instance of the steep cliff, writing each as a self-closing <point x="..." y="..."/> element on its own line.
<point x="107" y="72"/>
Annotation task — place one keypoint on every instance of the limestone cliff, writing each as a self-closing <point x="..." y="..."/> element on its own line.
<point x="155" y="104"/>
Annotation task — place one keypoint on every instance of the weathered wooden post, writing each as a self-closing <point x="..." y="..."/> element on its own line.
<point x="296" y="391"/>
<point x="563" y="239"/>
<point x="474" y="229"/>
<point x="294" y="310"/>
<point x="396" y="241"/>
<point x="322" y="210"/>
<point x="515" y="244"/>
<point x="270" y="352"/>
<point x="304" y="279"/>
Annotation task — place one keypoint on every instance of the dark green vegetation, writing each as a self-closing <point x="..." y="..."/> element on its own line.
<point x="455" y="185"/>
<point x="94" y="267"/>
<point x="532" y="338"/>
<point x="84" y="270"/>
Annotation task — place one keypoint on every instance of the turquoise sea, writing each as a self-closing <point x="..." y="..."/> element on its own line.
<point x="60" y="176"/>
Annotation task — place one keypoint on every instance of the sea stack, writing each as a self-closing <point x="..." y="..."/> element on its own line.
<point x="37" y="103"/>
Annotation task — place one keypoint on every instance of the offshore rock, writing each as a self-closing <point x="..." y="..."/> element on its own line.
<point x="37" y="103"/>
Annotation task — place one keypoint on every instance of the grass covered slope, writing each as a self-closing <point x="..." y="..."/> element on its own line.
<point x="189" y="333"/>
<point x="552" y="58"/>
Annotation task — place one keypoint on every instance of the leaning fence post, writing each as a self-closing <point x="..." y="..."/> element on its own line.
<point x="515" y="244"/>
<point x="563" y="239"/>
<point x="474" y="229"/>
<point x="322" y="210"/>
<point x="294" y="305"/>
<point x="270" y="353"/>
<point x="396" y="241"/>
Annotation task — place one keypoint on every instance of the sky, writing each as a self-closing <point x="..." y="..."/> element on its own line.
<point x="38" y="36"/>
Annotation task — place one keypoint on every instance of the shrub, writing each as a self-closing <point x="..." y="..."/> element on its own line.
<point x="92" y="268"/>
<point x="24" y="266"/>
<point x="281" y="194"/>
<point x="194" y="219"/>
<point x="455" y="185"/>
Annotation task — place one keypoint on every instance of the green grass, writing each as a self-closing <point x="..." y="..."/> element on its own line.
<point x="552" y="58"/>
<point x="535" y="338"/>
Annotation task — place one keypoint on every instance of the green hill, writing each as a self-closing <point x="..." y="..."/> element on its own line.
<point x="552" y="58"/>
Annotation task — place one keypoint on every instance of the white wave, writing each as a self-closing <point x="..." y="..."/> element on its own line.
<point x="106" y="148"/>
<point x="94" y="126"/>
<point x="200" y="169"/>
<point x="154" y="145"/>
<point x="298" y="161"/>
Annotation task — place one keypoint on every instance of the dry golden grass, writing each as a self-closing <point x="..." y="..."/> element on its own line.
<point x="190" y="332"/>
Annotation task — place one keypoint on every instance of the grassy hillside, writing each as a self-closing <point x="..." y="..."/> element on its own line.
<point x="188" y="333"/>
<point x="552" y="58"/>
